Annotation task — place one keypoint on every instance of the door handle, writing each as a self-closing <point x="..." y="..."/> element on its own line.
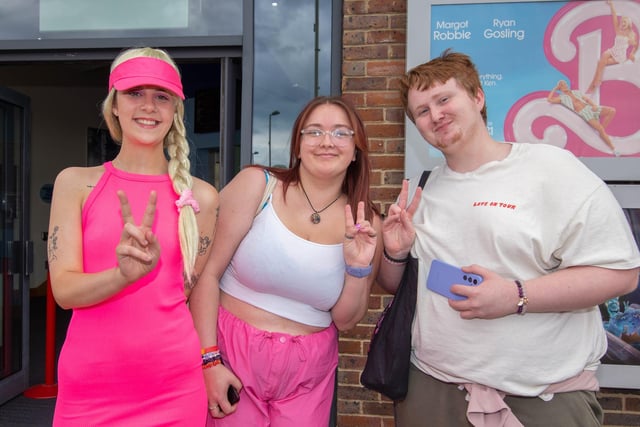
<point x="28" y="257"/>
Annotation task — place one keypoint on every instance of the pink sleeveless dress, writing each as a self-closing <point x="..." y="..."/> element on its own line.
<point x="134" y="359"/>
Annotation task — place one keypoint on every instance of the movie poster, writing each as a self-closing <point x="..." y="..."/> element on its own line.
<point x="621" y="316"/>
<point x="564" y="73"/>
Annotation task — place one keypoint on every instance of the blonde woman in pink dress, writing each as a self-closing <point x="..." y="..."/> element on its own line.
<point x="127" y="241"/>
<point x="617" y="54"/>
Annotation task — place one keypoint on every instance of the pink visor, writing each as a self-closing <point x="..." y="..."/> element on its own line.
<point x="144" y="71"/>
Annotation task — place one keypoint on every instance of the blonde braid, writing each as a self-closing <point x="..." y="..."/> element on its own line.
<point x="179" y="170"/>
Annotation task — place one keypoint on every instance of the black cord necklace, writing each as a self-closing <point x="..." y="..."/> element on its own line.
<point x="315" y="216"/>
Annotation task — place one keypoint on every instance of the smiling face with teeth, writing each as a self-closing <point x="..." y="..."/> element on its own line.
<point x="145" y="113"/>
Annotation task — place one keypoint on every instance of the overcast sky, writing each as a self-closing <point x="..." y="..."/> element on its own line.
<point x="284" y="70"/>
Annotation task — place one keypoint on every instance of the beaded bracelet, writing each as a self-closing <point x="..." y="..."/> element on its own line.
<point x="213" y="348"/>
<point x="212" y="364"/>
<point x="391" y="260"/>
<point x="210" y="359"/>
<point x="522" y="303"/>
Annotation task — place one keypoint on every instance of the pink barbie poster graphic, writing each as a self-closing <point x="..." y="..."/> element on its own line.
<point x="593" y="107"/>
<point x="565" y="73"/>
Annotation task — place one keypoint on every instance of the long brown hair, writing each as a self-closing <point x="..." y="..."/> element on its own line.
<point x="356" y="181"/>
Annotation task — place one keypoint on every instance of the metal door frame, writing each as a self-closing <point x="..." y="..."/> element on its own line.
<point x="16" y="383"/>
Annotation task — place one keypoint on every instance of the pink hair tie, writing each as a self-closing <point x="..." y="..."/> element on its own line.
<point x="186" y="199"/>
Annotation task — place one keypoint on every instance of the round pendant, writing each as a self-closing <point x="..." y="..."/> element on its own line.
<point x="315" y="217"/>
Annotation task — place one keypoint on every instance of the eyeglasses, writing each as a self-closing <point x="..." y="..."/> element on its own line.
<point x="340" y="136"/>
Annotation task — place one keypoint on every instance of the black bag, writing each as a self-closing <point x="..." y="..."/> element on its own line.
<point x="387" y="368"/>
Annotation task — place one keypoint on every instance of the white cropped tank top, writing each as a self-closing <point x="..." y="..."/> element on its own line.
<point x="282" y="273"/>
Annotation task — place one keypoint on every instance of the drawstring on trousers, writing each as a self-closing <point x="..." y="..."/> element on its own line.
<point x="302" y="353"/>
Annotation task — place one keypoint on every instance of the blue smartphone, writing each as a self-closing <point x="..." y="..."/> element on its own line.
<point x="443" y="275"/>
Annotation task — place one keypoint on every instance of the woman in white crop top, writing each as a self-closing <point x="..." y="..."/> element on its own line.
<point x="287" y="272"/>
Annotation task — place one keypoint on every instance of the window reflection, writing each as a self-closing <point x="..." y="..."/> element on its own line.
<point x="286" y="70"/>
<point x="79" y="19"/>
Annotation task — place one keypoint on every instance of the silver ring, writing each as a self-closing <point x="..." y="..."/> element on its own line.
<point x="346" y="236"/>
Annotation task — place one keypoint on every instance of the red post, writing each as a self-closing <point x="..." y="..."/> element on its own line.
<point x="49" y="389"/>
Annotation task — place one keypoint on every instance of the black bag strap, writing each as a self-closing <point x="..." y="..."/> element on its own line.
<point x="423" y="178"/>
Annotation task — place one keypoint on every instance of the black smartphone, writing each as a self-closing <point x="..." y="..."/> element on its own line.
<point x="232" y="395"/>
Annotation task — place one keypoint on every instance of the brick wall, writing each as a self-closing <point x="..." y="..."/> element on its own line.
<point x="374" y="45"/>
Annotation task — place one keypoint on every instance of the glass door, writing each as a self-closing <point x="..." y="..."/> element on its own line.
<point x="15" y="248"/>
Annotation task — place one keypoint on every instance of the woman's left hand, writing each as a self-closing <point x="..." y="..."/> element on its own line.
<point x="359" y="238"/>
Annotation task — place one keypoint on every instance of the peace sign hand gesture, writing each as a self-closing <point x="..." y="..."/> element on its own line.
<point x="398" y="232"/>
<point x="360" y="238"/>
<point x="138" y="251"/>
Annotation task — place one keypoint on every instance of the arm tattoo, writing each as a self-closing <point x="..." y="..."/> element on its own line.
<point x="189" y="283"/>
<point x="205" y="242"/>
<point x="52" y="245"/>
